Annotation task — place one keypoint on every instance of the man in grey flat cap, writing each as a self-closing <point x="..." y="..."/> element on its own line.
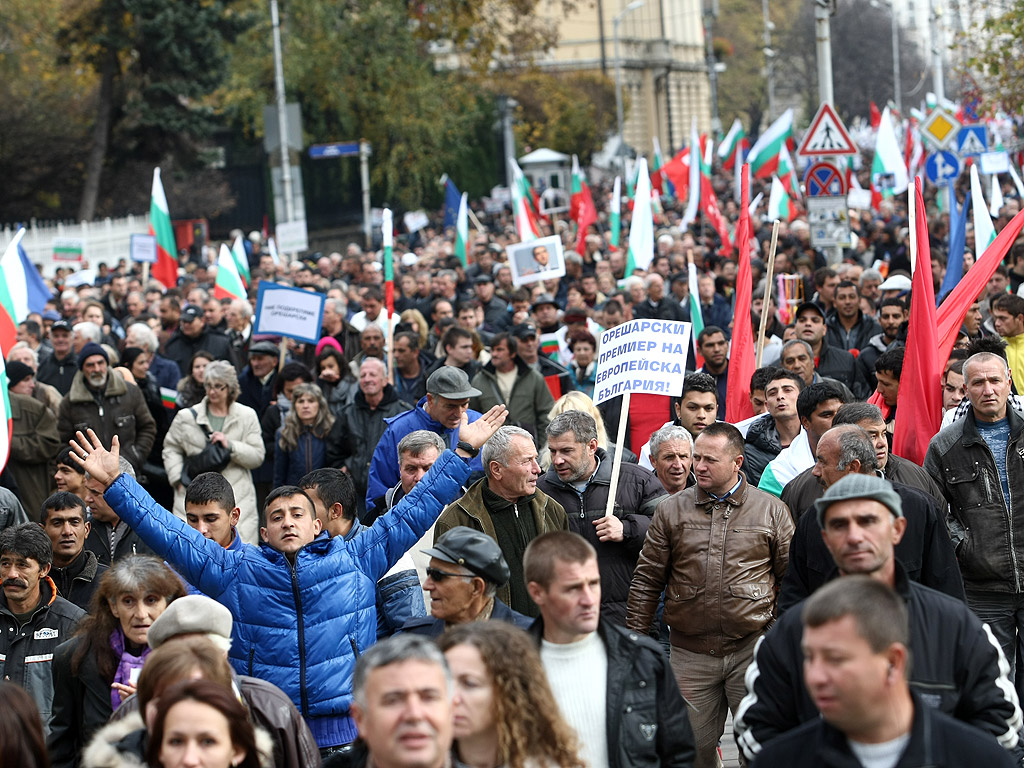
<point x="466" y="568"/>
<point x="958" y="668"/>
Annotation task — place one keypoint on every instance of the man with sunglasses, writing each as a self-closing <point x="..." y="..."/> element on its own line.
<point x="466" y="568"/>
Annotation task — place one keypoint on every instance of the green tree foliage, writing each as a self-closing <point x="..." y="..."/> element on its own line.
<point x="995" y="53"/>
<point x="570" y="112"/>
<point x="157" y="62"/>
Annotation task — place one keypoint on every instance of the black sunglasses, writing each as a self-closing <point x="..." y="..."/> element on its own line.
<point x="439" y="576"/>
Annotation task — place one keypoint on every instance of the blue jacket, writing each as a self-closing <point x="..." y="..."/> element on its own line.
<point x="384" y="464"/>
<point x="291" y="466"/>
<point x="302" y="625"/>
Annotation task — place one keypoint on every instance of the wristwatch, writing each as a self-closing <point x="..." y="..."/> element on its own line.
<point x="468" y="448"/>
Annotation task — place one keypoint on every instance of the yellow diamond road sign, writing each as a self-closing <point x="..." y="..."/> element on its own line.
<point x="940" y="128"/>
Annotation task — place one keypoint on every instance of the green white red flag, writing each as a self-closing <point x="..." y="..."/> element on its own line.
<point x="462" y="230"/>
<point x="984" y="232"/>
<point x="733" y="145"/>
<point x="241" y="260"/>
<point x="888" y="170"/>
<point x="656" y="165"/>
<point x="522" y="208"/>
<point x="764" y="155"/>
<point x="615" y="214"/>
<point x="581" y="206"/>
<point x="780" y="205"/>
<point x="165" y="269"/>
<point x="229" y="283"/>
<point x="13" y="295"/>
<point x="641" y="227"/>
<point x="696" y="318"/>
<point x="787" y="173"/>
<point x="387" y="232"/>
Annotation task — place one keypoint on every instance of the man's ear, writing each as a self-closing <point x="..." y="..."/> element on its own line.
<point x="233" y="516"/>
<point x="336" y="511"/>
<point x="537" y="593"/>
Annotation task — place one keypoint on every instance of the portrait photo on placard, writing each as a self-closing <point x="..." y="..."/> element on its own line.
<point x="540" y="259"/>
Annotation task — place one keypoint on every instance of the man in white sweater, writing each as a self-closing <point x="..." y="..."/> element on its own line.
<point x="612" y="685"/>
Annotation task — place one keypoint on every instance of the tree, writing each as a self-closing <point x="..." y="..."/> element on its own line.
<point x="157" y="62"/>
<point x="997" y="57"/>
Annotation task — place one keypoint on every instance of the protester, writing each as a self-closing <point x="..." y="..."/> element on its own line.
<point x="218" y="420"/>
<point x="76" y="571"/>
<point x="191" y="389"/>
<point x="309" y="438"/>
<point x="503" y="710"/>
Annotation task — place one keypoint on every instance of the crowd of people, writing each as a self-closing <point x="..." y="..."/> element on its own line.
<point x="420" y="543"/>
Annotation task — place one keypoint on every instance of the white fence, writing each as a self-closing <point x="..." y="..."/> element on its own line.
<point x="103" y="242"/>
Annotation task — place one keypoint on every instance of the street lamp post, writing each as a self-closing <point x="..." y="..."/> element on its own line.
<point x="616" y="21"/>
<point x="897" y="95"/>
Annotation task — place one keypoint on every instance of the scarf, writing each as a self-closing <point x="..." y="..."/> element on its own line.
<point x="128" y="665"/>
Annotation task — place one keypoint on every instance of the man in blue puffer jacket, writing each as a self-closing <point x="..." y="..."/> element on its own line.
<point x="303" y="603"/>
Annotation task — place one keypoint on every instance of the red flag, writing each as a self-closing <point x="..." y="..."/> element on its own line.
<point x="950" y="316"/>
<point x="709" y="202"/>
<point x="876" y="117"/>
<point x="919" y="402"/>
<point x="741" y="355"/>
<point x="677" y="170"/>
<point x="586" y="214"/>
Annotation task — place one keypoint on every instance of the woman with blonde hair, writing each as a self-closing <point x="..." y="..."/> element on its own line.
<point x="217" y="419"/>
<point x="578" y="401"/>
<point x="419" y="324"/>
<point x="310" y="437"/>
<point x="503" y="710"/>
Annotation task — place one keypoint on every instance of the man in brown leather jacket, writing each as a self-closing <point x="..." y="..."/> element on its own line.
<point x="721" y="549"/>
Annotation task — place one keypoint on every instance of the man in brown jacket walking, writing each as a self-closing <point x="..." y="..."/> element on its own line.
<point x="721" y="549"/>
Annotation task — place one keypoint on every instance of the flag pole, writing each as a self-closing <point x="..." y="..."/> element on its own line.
<point x="766" y="302"/>
<point x="911" y="217"/>
<point x="623" y="442"/>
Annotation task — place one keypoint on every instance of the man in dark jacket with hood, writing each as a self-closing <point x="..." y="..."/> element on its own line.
<point x="580" y="480"/>
<point x="191" y="336"/>
<point x="613" y="686"/>
<point x="831" y="362"/>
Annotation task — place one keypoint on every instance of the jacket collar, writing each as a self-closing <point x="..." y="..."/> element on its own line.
<point x="80" y="392"/>
<point x="971" y="434"/>
<point x="47" y="597"/>
<point x="735" y="499"/>
<point x="835" y="749"/>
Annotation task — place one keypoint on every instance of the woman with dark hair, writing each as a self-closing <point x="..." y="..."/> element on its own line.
<point x="335" y="378"/>
<point x="504" y="712"/>
<point x="310" y="437"/>
<point x="197" y="720"/>
<point x="191" y="389"/>
<point x="21" y="731"/>
<point x="99" y="667"/>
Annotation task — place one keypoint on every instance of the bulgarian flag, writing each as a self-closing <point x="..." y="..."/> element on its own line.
<point x="166" y="268"/>
<point x="641" y="228"/>
<point x="615" y="213"/>
<point x="522" y="210"/>
<point x="787" y="173"/>
<point x="241" y="260"/>
<point x="696" y="318"/>
<point x="461" y="231"/>
<point x="581" y="206"/>
<point x="169" y="397"/>
<point x="780" y="205"/>
<point x="793" y="460"/>
<point x="387" y="232"/>
<point x="6" y="425"/>
<point x="656" y="164"/>
<point x="888" y="163"/>
<point x="709" y="201"/>
<point x="764" y="155"/>
<point x="741" y="351"/>
<point x="229" y="283"/>
<point x="734" y="141"/>
<point x="13" y="298"/>
<point x="984" y="232"/>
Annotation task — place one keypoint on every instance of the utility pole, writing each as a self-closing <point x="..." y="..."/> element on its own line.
<point x="938" y="47"/>
<point x="282" y="117"/>
<point x="616" y="21"/>
<point x="769" y="60"/>
<point x="823" y="10"/>
<point x="710" y="14"/>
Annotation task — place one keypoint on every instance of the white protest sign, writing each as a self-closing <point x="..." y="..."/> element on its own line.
<point x="415" y="221"/>
<point x="292" y="236"/>
<point x="285" y="311"/>
<point x="642" y="356"/>
<point x="995" y="162"/>
<point x="143" y="249"/>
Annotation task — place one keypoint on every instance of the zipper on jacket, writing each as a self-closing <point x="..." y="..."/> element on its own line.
<point x="1009" y="519"/>
<point x="252" y="653"/>
<point x="302" y="644"/>
<point x="355" y="648"/>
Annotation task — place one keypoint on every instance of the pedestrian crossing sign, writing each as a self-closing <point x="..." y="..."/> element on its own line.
<point x="972" y="140"/>
<point x="827" y="135"/>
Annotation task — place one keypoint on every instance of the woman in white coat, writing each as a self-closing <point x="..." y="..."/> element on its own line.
<point x="231" y="424"/>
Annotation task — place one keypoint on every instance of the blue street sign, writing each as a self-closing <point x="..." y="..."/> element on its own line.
<point x="337" y="149"/>
<point x="972" y="140"/>
<point x="942" y="166"/>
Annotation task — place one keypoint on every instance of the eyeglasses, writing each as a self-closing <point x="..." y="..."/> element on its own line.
<point x="439" y="576"/>
<point x="216" y="387"/>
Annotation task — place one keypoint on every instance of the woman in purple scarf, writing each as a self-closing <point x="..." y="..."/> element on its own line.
<point x="97" y="669"/>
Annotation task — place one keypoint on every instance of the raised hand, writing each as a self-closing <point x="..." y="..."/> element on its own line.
<point x="102" y="465"/>
<point x="480" y="431"/>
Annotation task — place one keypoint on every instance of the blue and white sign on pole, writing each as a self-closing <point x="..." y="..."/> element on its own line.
<point x="337" y="149"/>
<point x="942" y="166"/>
<point x="972" y="140"/>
